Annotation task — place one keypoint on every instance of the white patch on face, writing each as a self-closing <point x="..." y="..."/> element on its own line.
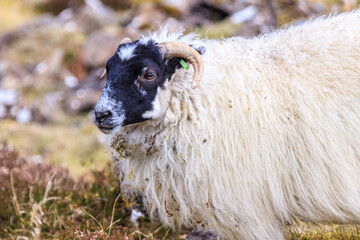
<point x="144" y="40"/>
<point x="158" y="106"/>
<point x="142" y="91"/>
<point x="126" y="53"/>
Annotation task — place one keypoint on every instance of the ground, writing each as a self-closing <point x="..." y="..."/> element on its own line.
<point x="57" y="179"/>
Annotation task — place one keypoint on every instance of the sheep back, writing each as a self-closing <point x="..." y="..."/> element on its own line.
<point x="271" y="134"/>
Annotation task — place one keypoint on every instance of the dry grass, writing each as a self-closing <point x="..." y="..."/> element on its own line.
<point x="303" y="231"/>
<point x="73" y="143"/>
<point x="61" y="185"/>
<point x="42" y="201"/>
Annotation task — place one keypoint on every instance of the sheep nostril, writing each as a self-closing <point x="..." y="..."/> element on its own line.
<point x="100" y="116"/>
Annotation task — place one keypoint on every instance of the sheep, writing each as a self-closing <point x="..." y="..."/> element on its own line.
<point x="270" y="134"/>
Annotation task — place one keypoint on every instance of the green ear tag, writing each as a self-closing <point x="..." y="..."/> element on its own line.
<point x="184" y="64"/>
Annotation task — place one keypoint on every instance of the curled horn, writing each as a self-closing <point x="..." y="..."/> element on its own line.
<point x="103" y="74"/>
<point x="125" y="40"/>
<point x="182" y="50"/>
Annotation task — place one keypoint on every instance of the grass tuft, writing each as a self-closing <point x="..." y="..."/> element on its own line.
<point x="41" y="201"/>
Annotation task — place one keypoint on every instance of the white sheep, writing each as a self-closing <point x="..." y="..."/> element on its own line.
<point x="271" y="133"/>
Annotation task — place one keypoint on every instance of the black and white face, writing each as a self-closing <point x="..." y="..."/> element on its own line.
<point x="135" y="75"/>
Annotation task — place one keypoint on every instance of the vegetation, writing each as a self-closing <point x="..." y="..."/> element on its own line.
<point x="56" y="178"/>
<point x="42" y="201"/>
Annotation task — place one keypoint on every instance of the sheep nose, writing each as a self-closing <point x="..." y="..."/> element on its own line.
<point x="101" y="116"/>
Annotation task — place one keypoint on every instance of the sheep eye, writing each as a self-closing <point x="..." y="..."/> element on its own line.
<point x="149" y="76"/>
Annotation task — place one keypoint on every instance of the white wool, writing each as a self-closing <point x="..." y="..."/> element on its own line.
<point x="156" y="111"/>
<point x="270" y="134"/>
<point x="167" y="35"/>
<point x="127" y="52"/>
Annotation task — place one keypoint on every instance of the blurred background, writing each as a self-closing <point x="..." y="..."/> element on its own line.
<point x="52" y="53"/>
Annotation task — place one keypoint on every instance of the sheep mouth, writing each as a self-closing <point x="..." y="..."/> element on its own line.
<point x="106" y="130"/>
<point x="106" y="127"/>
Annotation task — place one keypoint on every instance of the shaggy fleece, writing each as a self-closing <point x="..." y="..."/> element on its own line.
<point x="272" y="133"/>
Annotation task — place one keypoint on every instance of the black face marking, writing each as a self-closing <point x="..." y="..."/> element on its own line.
<point x="134" y="74"/>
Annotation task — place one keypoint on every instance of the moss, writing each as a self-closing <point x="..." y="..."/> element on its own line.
<point x="13" y="13"/>
<point x="41" y="45"/>
<point x="76" y="147"/>
<point x="224" y="29"/>
<point x="56" y="6"/>
<point x="47" y="203"/>
<point x="329" y="232"/>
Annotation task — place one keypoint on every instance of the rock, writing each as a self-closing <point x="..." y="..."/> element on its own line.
<point x="99" y="47"/>
<point x="8" y="97"/>
<point x="65" y="16"/>
<point x="51" y="102"/>
<point x="81" y="100"/>
<point x="11" y="37"/>
<point x="177" y="7"/>
<point x="84" y="97"/>
<point x="3" y="111"/>
<point x="118" y="4"/>
<point x="244" y="15"/>
<point x="47" y="108"/>
<point x="1" y="70"/>
<point x="56" y="6"/>
<point x="65" y="19"/>
<point x="210" y="12"/>
<point x="44" y="75"/>
<point x="93" y="81"/>
<point x="24" y="116"/>
<point x="135" y="215"/>
<point x="71" y="81"/>
<point x="94" y="15"/>
<point x="264" y="21"/>
<point x="16" y="77"/>
<point x="201" y="235"/>
<point x="38" y="63"/>
<point x="49" y="70"/>
<point x="146" y="16"/>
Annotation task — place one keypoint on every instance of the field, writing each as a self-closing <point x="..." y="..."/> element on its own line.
<point x="44" y="199"/>
<point x="57" y="178"/>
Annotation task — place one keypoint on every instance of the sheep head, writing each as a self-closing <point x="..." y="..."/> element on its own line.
<point x="135" y="75"/>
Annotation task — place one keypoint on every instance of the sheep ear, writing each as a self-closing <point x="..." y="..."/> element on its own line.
<point x="172" y="65"/>
<point x="200" y="49"/>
